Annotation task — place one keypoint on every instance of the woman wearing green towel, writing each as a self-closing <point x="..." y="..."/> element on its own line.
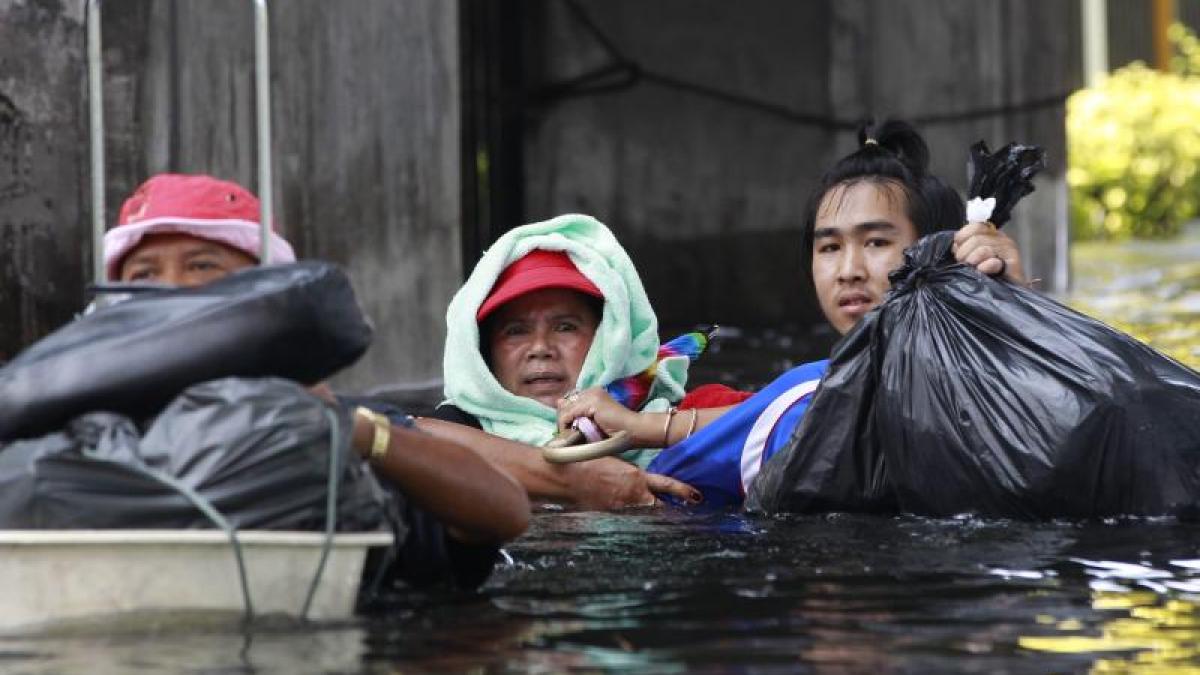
<point x="550" y="308"/>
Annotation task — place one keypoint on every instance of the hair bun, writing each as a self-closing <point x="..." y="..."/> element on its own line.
<point x="899" y="138"/>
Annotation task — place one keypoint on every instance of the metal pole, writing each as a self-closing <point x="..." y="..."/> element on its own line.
<point x="1162" y="15"/>
<point x="262" y="73"/>
<point x="1062" y="238"/>
<point x="1095" y="41"/>
<point x="96" y="123"/>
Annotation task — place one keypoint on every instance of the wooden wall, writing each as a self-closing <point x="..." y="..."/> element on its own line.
<point x="366" y="130"/>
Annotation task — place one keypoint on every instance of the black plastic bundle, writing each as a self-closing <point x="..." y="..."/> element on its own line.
<point x="299" y="321"/>
<point x="962" y="393"/>
<point x="257" y="451"/>
<point x="1007" y="175"/>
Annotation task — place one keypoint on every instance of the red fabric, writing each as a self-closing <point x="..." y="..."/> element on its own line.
<point x="185" y="196"/>
<point x="713" y="396"/>
<point x="537" y="270"/>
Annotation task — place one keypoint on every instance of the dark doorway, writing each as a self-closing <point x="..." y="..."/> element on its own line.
<point x="492" y="39"/>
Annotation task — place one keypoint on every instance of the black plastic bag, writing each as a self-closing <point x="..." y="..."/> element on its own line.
<point x="258" y="451"/>
<point x="1007" y="175"/>
<point x="966" y="394"/>
<point x="962" y="393"/>
<point x="298" y="321"/>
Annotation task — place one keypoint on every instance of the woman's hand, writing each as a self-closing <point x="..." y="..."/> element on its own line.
<point x="988" y="250"/>
<point x="596" y="404"/>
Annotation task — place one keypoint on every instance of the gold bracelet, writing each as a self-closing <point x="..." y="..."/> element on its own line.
<point x="667" y="427"/>
<point x="692" y="424"/>
<point x="381" y="435"/>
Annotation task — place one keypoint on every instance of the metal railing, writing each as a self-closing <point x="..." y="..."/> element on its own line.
<point x="262" y="85"/>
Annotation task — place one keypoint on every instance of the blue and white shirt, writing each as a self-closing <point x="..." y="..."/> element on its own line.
<point x="723" y="459"/>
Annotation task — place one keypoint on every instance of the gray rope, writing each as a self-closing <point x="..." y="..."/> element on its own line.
<point x="215" y="516"/>
<point x="211" y="512"/>
<point x="331" y="491"/>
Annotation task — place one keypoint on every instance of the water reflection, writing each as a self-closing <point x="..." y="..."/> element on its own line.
<point x="1150" y="617"/>
<point x="174" y="644"/>
<point x="722" y="592"/>
<point x="1148" y="289"/>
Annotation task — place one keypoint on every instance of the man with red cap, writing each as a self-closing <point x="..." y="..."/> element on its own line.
<point x="182" y="230"/>
<point x="189" y="230"/>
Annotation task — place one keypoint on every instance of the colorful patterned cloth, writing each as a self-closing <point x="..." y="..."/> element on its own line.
<point x="632" y="391"/>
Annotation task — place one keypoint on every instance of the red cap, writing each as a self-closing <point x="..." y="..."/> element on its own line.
<point x="200" y="206"/>
<point x="198" y="197"/>
<point x="537" y="270"/>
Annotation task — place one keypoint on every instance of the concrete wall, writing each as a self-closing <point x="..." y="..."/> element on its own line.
<point x="42" y="154"/>
<point x="705" y="195"/>
<point x="928" y="58"/>
<point x="709" y="194"/>
<point x="366" y="128"/>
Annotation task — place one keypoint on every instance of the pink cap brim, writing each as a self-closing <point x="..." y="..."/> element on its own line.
<point x="242" y="235"/>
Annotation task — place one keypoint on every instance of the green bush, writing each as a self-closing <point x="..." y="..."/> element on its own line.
<point x="1133" y="146"/>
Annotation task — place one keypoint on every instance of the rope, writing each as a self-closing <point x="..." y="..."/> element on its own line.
<point x="205" y="507"/>
<point x="331" y="491"/>
<point x="211" y="512"/>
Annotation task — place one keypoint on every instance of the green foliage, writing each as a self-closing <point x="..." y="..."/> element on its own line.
<point x="1133" y="145"/>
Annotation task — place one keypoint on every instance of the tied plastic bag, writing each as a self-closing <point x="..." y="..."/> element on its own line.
<point x="966" y="394"/>
<point x="258" y="451"/>
<point x="299" y="321"/>
<point x="1005" y="176"/>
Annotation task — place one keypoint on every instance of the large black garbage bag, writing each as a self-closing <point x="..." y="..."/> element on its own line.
<point x="961" y="393"/>
<point x="298" y="321"/>
<point x="256" y="450"/>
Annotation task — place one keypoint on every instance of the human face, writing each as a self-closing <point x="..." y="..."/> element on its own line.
<point x="181" y="260"/>
<point x="859" y="237"/>
<point x="539" y="341"/>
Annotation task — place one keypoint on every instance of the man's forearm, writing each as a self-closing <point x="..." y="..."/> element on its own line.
<point x="541" y="479"/>
<point x="605" y="484"/>
<point x="435" y="473"/>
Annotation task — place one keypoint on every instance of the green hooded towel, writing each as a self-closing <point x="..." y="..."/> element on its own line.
<point x="626" y="341"/>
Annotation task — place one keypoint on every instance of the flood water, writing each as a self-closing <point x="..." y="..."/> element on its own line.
<point x="673" y="591"/>
<point x="666" y="592"/>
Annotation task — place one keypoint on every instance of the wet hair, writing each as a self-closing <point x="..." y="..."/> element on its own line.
<point x="890" y="154"/>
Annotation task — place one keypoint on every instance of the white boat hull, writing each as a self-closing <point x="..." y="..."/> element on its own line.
<point x="52" y="576"/>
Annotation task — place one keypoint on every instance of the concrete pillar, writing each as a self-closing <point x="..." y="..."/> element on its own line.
<point x="1010" y="63"/>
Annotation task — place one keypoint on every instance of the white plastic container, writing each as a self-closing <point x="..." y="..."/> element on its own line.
<point x="50" y="576"/>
